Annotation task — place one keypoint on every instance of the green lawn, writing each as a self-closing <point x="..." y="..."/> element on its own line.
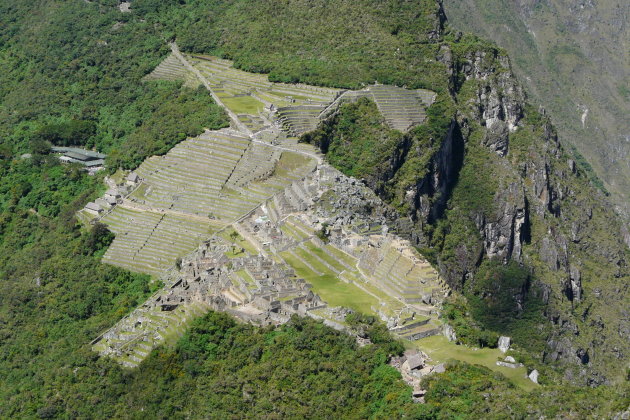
<point x="441" y="350"/>
<point x="289" y="230"/>
<point x="230" y="235"/>
<point x="321" y="254"/>
<point x="334" y="291"/>
<point x="243" y="105"/>
<point x="350" y="260"/>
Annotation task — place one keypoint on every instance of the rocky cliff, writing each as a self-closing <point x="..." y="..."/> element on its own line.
<point x="573" y="58"/>
<point x="498" y="186"/>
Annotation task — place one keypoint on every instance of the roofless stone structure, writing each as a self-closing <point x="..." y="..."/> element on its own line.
<point x="262" y="225"/>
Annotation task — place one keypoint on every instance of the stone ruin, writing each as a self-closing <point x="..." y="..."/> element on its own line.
<point x="260" y="285"/>
<point x="248" y="233"/>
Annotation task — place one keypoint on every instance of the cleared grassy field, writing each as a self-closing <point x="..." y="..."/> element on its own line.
<point x="243" y="104"/>
<point x="441" y="350"/>
<point x="230" y="235"/>
<point x="334" y="291"/>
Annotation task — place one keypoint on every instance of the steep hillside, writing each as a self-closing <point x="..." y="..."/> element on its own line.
<point x="482" y="187"/>
<point x="483" y="179"/>
<point x="574" y="59"/>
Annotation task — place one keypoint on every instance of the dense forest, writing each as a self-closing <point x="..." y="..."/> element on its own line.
<point x="71" y="74"/>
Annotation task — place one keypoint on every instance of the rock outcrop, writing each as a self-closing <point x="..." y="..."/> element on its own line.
<point x="526" y="202"/>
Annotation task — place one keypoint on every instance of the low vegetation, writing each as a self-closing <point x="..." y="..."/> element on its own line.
<point x="177" y="115"/>
<point x="357" y="140"/>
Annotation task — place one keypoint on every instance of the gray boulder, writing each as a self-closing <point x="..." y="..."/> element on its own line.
<point x="504" y="344"/>
<point x="449" y="333"/>
<point x="439" y="368"/>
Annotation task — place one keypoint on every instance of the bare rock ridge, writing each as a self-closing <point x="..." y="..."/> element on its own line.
<point x="258" y="223"/>
<point x="573" y="58"/>
<point x="534" y="207"/>
<point x="499" y="187"/>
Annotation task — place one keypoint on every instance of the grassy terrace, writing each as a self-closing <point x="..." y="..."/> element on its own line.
<point x="441" y="350"/>
<point x="324" y="256"/>
<point x="148" y="242"/>
<point x="139" y="341"/>
<point x="249" y="281"/>
<point x="242" y="104"/>
<point x="330" y="288"/>
<point x="340" y="283"/>
<point x="342" y="256"/>
<point x="290" y="161"/>
<point x="172" y="69"/>
<point x="230" y="235"/>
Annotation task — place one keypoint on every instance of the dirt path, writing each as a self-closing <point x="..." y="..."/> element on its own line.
<point x="242" y="127"/>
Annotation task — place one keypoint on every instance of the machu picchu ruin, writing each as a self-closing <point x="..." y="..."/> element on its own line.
<point x="248" y="221"/>
<point x="314" y="209"/>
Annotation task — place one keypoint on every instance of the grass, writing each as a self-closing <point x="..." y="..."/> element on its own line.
<point x="273" y="98"/>
<point x="244" y="275"/>
<point x="243" y="104"/>
<point x="290" y="161"/>
<point x="84" y="218"/>
<point x="391" y="306"/>
<point x="441" y="350"/>
<point x="351" y="261"/>
<point x="291" y="230"/>
<point x="118" y="177"/>
<point x="234" y="252"/>
<point x="290" y="233"/>
<point x="334" y="291"/>
<point x="230" y="235"/>
<point x="337" y="292"/>
<point x="139" y="193"/>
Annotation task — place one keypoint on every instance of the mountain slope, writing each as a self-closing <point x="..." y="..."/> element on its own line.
<point x="75" y="60"/>
<point x="574" y="59"/>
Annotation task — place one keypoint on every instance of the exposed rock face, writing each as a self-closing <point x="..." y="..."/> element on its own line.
<point x="509" y="363"/>
<point x="500" y="98"/>
<point x="504" y="344"/>
<point x="541" y="199"/>
<point x="589" y="111"/>
<point x="428" y="197"/>
<point x="497" y="137"/>
<point x="449" y="333"/>
<point x="545" y="188"/>
<point x="574" y="291"/>
<point x="503" y="237"/>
